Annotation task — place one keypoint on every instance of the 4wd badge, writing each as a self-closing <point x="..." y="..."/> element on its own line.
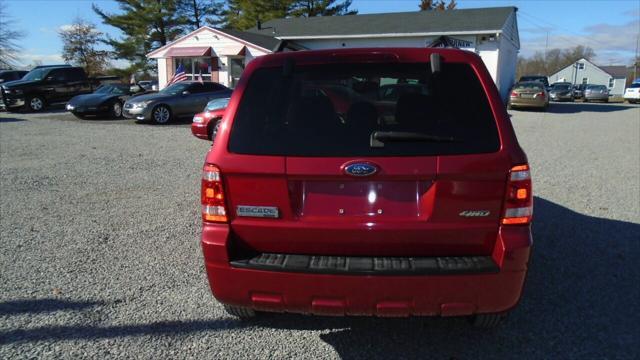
<point x="475" y="213"/>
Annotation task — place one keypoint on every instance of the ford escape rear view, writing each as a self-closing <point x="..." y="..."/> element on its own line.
<point x="362" y="182"/>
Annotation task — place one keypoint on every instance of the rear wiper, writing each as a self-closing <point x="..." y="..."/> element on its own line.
<point x="378" y="138"/>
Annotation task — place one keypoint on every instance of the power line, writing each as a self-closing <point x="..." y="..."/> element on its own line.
<point x="561" y="28"/>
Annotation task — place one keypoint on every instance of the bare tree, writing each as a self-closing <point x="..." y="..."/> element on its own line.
<point x="80" y="40"/>
<point x="440" y="5"/>
<point x="9" y="39"/>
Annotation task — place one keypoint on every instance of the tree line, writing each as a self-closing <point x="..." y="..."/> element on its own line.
<point x="549" y="62"/>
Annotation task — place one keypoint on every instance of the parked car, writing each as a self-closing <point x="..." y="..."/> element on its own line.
<point x="45" y="86"/>
<point x="424" y="213"/>
<point x="578" y="91"/>
<point x="107" y="100"/>
<point x="11" y="75"/>
<point x="148" y="85"/>
<point x="183" y="99"/>
<point x="596" y="93"/>
<point x="632" y="93"/>
<point x="531" y="94"/>
<point x="561" y="92"/>
<point x="541" y="78"/>
<point x="205" y="125"/>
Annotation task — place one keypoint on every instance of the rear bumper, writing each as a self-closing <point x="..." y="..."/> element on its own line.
<point x="378" y="295"/>
<point x="528" y="102"/>
<point x="632" y="96"/>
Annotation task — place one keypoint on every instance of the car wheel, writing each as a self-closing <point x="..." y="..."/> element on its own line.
<point x="585" y="100"/>
<point x="240" y="312"/>
<point x="213" y="130"/>
<point x="35" y="103"/>
<point x="161" y="115"/>
<point x="487" y="321"/>
<point x="116" y="110"/>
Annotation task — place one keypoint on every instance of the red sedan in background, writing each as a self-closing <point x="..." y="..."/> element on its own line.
<point x="205" y="124"/>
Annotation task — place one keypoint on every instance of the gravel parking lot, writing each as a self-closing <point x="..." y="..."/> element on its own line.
<point x="99" y="253"/>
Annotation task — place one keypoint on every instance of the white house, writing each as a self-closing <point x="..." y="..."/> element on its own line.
<point x="220" y="54"/>
<point x="584" y="71"/>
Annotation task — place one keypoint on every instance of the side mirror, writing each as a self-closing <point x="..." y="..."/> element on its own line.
<point x="135" y="89"/>
<point x="186" y="92"/>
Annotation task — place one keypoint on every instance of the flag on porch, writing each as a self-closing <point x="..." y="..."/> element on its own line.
<point x="179" y="76"/>
<point x="200" y="78"/>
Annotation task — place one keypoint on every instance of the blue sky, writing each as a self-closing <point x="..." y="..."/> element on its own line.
<point x="609" y="27"/>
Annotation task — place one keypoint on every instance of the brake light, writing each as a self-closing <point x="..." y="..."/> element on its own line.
<point x="540" y="94"/>
<point x="518" y="207"/>
<point x="514" y="94"/>
<point x="212" y="195"/>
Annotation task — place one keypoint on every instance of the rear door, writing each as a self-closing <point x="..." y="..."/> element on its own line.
<point x="426" y="178"/>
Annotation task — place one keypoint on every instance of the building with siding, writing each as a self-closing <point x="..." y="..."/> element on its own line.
<point x="584" y="71"/>
<point x="221" y="55"/>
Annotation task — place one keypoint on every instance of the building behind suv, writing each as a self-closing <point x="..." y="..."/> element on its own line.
<point x="43" y="86"/>
<point x="415" y="206"/>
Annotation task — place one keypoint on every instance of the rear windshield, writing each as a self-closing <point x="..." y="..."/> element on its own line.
<point x="350" y="110"/>
<point x="529" y="86"/>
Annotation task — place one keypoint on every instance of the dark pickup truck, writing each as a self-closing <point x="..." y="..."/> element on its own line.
<point x="45" y="86"/>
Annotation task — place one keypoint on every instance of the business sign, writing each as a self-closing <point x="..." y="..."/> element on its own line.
<point x="451" y="42"/>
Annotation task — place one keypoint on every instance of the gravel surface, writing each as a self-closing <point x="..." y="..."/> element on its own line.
<point x="99" y="253"/>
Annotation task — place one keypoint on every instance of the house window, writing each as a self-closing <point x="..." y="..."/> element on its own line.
<point x="585" y="80"/>
<point x="194" y="66"/>
<point x="612" y="82"/>
<point x="580" y="66"/>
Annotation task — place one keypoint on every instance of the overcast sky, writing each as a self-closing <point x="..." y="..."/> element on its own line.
<point x="610" y="27"/>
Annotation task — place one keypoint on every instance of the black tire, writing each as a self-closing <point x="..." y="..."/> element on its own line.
<point x="158" y="119"/>
<point x="585" y="100"/>
<point x="116" y="109"/>
<point x="487" y="321"/>
<point x="213" y="129"/>
<point x="35" y="103"/>
<point x="240" y="312"/>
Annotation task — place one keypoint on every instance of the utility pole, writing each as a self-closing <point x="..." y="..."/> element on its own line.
<point x="546" y="45"/>
<point x="636" y="62"/>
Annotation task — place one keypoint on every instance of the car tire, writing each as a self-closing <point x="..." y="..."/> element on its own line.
<point x="240" y="312"/>
<point x="585" y="100"/>
<point x="35" y="103"/>
<point x="487" y="321"/>
<point x="213" y="129"/>
<point x="116" y="110"/>
<point x="161" y="115"/>
<point x="509" y="107"/>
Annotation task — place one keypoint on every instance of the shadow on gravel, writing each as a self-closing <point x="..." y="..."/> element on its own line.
<point x="10" y="120"/>
<point x="572" y="108"/>
<point x="43" y="306"/>
<point x="580" y="301"/>
<point x="79" y="332"/>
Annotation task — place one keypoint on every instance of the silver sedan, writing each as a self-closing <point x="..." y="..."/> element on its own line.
<point x="180" y="100"/>
<point x="596" y="93"/>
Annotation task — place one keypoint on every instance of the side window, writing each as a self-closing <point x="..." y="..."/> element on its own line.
<point x="75" y="74"/>
<point x="211" y="86"/>
<point x="196" y="88"/>
<point x="58" y="75"/>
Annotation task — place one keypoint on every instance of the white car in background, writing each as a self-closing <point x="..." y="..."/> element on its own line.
<point x="632" y="93"/>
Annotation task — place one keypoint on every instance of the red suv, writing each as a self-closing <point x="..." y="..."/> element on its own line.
<point x="418" y="205"/>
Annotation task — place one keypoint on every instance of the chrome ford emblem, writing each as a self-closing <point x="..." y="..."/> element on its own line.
<point x="360" y="169"/>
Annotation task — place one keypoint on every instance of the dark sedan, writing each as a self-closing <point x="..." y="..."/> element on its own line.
<point x="107" y="100"/>
<point x="178" y="100"/>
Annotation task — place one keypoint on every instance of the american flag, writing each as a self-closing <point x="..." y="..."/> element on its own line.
<point x="200" y="78"/>
<point x="179" y="76"/>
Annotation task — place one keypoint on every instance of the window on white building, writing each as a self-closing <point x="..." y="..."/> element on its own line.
<point x="612" y="82"/>
<point x="580" y="66"/>
<point x="585" y="80"/>
<point x="194" y="66"/>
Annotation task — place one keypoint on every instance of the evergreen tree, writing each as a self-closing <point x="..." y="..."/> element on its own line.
<point x="309" y="8"/>
<point x="197" y="13"/>
<point x="146" y="25"/>
<point x="245" y="14"/>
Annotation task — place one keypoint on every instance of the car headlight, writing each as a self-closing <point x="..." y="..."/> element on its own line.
<point x="142" y="104"/>
<point x="70" y="107"/>
<point x="13" y="91"/>
<point x="198" y="119"/>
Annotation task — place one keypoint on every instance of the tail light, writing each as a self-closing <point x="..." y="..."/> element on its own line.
<point x="540" y="94"/>
<point x="518" y="207"/>
<point x="514" y="94"/>
<point x="212" y="196"/>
